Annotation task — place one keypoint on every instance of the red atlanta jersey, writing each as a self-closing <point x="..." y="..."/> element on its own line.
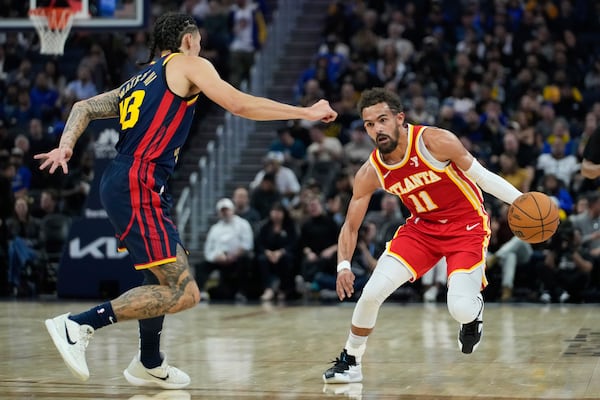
<point x="432" y="190"/>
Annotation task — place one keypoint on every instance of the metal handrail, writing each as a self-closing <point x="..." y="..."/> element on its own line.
<point x="208" y="183"/>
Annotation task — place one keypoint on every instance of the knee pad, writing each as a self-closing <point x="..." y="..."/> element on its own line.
<point x="463" y="308"/>
<point x="387" y="277"/>
<point x="463" y="300"/>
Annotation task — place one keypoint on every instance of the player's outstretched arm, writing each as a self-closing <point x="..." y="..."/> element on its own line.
<point x="105" y="105"/>
<point x="445" y="146"/>
<point x="365" y="183"/>
<point x="202" y="74"/>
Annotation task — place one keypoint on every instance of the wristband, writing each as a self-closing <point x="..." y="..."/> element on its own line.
<point x="343" y="265"/>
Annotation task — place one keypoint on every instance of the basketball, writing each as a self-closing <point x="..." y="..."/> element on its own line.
<point x="533" y="217"/>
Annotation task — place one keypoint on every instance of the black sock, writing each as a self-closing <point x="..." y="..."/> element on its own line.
<point x="150" y="330"/>
<point x="96" y="317"/>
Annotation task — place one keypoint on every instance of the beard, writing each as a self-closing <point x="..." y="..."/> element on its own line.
<point x="391" y="144"/>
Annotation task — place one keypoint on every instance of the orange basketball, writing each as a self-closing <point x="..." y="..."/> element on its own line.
<point x="533" y="217"/>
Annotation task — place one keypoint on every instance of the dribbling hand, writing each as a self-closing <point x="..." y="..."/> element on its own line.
<point x="55" y="158"/>
<point x="344" y="285"/>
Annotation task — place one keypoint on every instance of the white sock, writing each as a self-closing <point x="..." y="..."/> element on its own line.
<point x="356" y="346"/>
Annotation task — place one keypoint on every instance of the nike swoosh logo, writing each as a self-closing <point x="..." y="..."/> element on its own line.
<point x="68" y="337"/>
<point x="386" y="174"/>
<point x="158" y="377"/>
<point x="471" y="227"/>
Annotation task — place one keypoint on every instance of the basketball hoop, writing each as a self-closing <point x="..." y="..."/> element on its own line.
<point x="53" y="25"/>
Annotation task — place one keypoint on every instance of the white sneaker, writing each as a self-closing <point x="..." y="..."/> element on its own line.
<point x="71" y="340"/>
<point x="164" y="376"/>
<point x="344" y="370"/>
<point x="564" y="297"/>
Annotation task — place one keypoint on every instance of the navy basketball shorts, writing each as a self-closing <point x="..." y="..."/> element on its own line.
<point x="132" y="193"/>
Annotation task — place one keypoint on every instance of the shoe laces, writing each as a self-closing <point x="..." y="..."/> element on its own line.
<point x="86" y="334"/>
<point x="342" y="363"/>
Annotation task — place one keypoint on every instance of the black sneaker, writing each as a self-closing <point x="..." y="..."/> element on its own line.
<point x="345" y="370"/>
<point x="469" y="335"/>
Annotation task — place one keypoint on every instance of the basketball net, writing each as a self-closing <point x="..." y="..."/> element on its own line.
<point x="53" y="25"/>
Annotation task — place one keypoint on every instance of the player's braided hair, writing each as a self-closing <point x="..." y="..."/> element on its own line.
<point x="168" y="31"/>
<point x="374" y="96"/>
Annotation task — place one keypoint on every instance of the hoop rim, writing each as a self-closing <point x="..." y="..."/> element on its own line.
<point x="54" y="16"/>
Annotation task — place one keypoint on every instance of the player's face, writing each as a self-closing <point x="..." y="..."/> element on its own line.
<point x="382" y="125"/>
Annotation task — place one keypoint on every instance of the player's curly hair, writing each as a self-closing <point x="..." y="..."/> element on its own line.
<point x="374" y="96"/>
<point x="168" y="31"/>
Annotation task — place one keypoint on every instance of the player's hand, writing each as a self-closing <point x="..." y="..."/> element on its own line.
<point x="344" y="285"/>
<point x="55" y="158"/>
<point x="321" y="110"/>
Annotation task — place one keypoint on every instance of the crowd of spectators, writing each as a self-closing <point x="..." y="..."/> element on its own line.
<point x="37" y="93"/>
<point x="517" y="81"/>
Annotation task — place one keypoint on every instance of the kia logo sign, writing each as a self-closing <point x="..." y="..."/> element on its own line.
<point x="101" y="248"/>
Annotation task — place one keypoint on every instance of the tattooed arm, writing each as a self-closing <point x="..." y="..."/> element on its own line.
<point x="105" y="105"/>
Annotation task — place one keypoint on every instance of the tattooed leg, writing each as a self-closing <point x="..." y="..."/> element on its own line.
<point x="177" y="291"/>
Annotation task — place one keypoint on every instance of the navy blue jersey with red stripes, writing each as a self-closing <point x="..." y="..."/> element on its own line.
<point x="154" y="122"/>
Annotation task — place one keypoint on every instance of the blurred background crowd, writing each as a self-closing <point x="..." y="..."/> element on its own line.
<point x="518" y="81"/>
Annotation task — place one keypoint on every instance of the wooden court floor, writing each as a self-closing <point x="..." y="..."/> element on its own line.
<point x="528" y="351"/>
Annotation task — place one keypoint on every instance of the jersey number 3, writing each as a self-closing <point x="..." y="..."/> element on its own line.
<point x="129" y="109"/>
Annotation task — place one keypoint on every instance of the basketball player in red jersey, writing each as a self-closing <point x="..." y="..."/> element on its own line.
<point x="437" y="179"/>
<point x="155" y="110"/>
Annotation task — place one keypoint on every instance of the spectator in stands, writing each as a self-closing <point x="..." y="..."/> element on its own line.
<point x="321" y="82"/>
<point x="265" y="195"/>
<point x="6" y="139"/>
<point x="509" y="256"/>
<point x="55" y="80"/>
<point x="48" y="204"/>
<point x="248" y="32"/>
<point x="434" y="281"/>
<point x="390" y="211"/>
<point x="346" y="106"/>
<point x="275" y="251"/>
<point x="553" y="187"/>
<point x="77" y="185"/>
<point x="360" y="146"/>
<point x="566" y="270"/>
<point x="227" y="249"/>
<point x="362" y="264"/>
<point x="22" y="181"/>
<point x="241" y="201"/>
<point x="83" y="87"/>
<point x="24" y="235"/>
<point x="513" y="173"/>
<point x="588" y="224"/>
<point x="311" y="92"/>
<point x="323" y="148"/>
<point x="293" y="149"/>
<point x="558" y="163"/>
<point x="286" y="182"/>
<point x="24" y="112"/>
<point x="7" y="174"/>
<point x="418" y="113"/>
<point x="317" y="244"/>
<point x="43" y="97"/>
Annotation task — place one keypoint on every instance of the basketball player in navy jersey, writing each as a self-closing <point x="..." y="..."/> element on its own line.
<point x="155" y="109"/>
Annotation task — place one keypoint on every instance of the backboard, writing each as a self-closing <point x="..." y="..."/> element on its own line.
<point x="92" y="14"/>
